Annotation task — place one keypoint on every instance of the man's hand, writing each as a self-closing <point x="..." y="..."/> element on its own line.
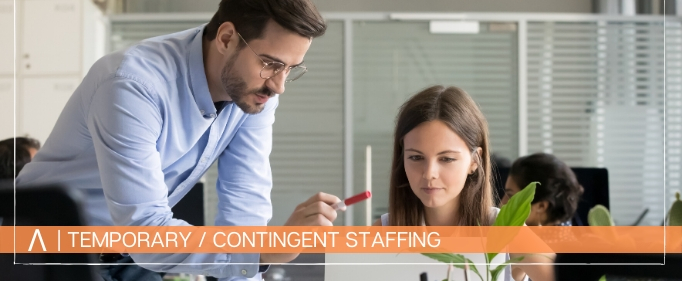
<point x="316" y="211"/>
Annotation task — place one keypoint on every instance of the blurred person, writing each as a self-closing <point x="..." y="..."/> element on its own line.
<point x="557" y="195"/>
<point x="441" y="170"/>
<point x="500" y="161"/>
<point x="24" y="148"/>
<point x="147" y="122"/>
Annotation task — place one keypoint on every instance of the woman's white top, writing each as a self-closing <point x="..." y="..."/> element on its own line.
<point x="506" y="276"/>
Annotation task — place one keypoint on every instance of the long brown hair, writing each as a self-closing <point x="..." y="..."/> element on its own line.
<point x="454" y="107"/>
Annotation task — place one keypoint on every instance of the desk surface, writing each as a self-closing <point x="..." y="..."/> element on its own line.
<point x="394" y="267"/>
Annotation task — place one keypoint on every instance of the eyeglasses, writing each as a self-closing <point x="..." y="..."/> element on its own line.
<point x="270" y="69"/>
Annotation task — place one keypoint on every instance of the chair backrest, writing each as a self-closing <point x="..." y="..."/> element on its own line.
<point x="49" y="205"/>
<point x="595" y="181"/>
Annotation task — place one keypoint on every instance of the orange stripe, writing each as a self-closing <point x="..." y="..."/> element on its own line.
<point x="341" y="239"/>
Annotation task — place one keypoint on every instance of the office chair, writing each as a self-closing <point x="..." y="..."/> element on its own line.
<point x="49" y="205"/>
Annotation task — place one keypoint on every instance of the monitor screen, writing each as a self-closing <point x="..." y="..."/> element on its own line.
<point x="51" y="205"/>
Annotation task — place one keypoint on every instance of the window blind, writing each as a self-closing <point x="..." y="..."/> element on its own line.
<point x="595" y="99"/>
<point x="673" y="110"/>
<point x="394" y="60"/>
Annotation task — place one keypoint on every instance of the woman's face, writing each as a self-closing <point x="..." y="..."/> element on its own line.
<point x="437" y="163"/>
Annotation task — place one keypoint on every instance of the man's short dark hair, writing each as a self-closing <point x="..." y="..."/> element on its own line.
<point x="26" y="142"/>
<point x="8" y="164"/>
<point x="250" y="17"/>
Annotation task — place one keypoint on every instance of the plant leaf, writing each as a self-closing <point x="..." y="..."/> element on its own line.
<point x="473" y="268"/>
<point x="603" y="278"/>
<point x="447" y="258"/>
<point x="456" y="260"/>
<point x="490" y="257"/>
<point x="496" y="272"/>
<point x="516" y="211"/>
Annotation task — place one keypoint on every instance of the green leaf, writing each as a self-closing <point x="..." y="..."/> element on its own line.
<point x="447" y="258"/>
<point x="490" y="256"/>
<point x="603" y="278"/>
<point x="599" y="216"/>
<point x="516" y="211"/>
<point x="456" y="260"/>
<point x="496" y="272"/>
<point x="472" y="267"/>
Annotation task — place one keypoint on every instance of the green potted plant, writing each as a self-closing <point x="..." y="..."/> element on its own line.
<point x="514" y="213"/>
<point x="600" y="216"/>
<point x="675" y="212"/>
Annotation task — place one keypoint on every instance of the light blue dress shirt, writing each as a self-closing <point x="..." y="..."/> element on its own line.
<point x="140" y="131"/>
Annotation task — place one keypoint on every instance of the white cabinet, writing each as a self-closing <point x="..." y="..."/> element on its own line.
<point x="6" y="37"/>
<point x="50" y="37"/>
<point x="6" y="107"/>
<point x="42" y="101"/>
<point x="49" y="61"/>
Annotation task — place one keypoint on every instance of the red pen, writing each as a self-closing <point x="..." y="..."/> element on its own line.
<point x="352" y="200"/>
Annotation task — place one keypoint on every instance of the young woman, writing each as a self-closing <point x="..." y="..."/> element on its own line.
<point x="557" y="195"/>
<point x="440" y="175"/>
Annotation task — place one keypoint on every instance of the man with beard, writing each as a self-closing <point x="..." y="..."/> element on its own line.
<point x="147" y="122"/>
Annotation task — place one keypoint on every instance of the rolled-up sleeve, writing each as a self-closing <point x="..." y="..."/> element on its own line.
<point x="125" y="121"/>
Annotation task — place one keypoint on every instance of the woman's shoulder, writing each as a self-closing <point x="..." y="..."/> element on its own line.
<point x="384" y="219"/>
<point x="494" y="211"/>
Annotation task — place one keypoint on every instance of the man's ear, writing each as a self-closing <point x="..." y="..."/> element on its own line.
<point x="226" y="38"/>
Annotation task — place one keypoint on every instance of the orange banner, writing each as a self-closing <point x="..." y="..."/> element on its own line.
<point x="340" y="239"/>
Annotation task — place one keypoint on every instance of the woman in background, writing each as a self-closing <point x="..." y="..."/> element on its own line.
<point x="557" y="195"/>
<point x="440" y="174"/>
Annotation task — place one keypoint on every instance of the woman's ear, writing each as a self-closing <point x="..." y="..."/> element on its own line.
<point x="475" y="157"/>
<point x="542" y="206"/>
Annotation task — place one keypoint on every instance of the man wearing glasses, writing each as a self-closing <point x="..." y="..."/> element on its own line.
<point x="147" y="122"/>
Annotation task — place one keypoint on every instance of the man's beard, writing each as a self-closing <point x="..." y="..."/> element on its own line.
<point x="235" y="87"/>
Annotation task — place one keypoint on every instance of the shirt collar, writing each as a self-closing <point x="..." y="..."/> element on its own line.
<point x="199" y="83"/>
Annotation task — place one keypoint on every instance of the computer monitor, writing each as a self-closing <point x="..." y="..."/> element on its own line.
<point x="48" y="205"/>
<point x="595" y="182"/>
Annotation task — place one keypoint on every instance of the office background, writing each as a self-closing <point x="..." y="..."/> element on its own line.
<point x="581" y="79"/>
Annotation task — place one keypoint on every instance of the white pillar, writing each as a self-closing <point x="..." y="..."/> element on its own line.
<point x="628" y="7"/>
<point x="368" y="182"/>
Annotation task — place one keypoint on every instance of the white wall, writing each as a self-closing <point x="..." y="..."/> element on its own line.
<point x="55" y="42"/>
<point x="6" y="68"/>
